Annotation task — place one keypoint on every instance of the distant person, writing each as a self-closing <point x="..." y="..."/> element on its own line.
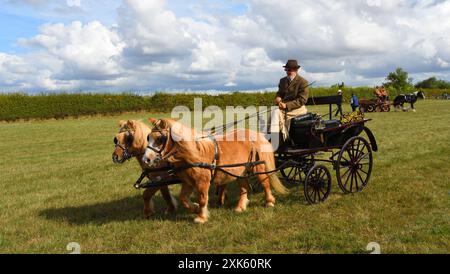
<point x="354" y="102"/>
<point x="384" y="94"/>
<point x="339" y="106"/>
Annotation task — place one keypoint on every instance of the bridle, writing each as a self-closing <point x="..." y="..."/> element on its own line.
<point x="164" y="140"/>
<point x="126" y="154"/>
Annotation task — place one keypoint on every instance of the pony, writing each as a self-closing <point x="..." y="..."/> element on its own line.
<point x="184" y="149"/>
<point x="131" y="141"/>
<point x="400" y="100"/>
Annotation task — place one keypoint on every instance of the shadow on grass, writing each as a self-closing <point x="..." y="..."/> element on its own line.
<point x="129" y="209"/>
<point x="126" y="209"/>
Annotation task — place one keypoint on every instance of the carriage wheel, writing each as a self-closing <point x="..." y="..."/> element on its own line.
<point x="386" y="108"/>
<point x="370" y="108"/>
<point x="354" y="165"/>
<point x="292" y="174"/>
<point x="317" y="184"/>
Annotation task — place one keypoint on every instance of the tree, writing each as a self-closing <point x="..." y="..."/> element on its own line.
<point x="433" y="83"/>
<point x="399" y="80"/>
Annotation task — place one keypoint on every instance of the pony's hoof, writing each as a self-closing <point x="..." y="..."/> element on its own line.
<point x="270" y="204"/>
<point x="200" y="220"/>
<point x="242" y="208"/>
<point x="148" y="214"/>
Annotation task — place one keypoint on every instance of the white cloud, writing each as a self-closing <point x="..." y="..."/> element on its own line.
<point x="150" y="47"/>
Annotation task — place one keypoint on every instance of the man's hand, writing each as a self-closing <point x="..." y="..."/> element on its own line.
<point x="282" y="106"/>
<point x="278" y="100"/>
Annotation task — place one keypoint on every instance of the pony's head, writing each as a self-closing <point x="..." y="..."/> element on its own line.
<point x="126" y="142"/>
<point x="157" y="142"/>
<point x="421" y="95"/>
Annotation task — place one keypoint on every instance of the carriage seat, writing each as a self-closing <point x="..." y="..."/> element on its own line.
<point x="302" y="134"/>
<point x="309" y="119"/>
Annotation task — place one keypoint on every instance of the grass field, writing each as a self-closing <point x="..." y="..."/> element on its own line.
<point x="59" y="185"/>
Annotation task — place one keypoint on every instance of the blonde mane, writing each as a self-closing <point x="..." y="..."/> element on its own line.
<point x="139" y="130"/>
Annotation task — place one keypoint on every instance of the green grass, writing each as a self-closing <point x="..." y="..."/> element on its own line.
<point x="59" y="185"/>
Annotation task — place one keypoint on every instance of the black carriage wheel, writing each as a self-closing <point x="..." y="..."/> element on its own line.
<point x="317" y="184"/>
<point x="386" y="108"/>
<point x="370" y="108"/>
<point x="354" y="165"/>
<point x="292" y="174"/>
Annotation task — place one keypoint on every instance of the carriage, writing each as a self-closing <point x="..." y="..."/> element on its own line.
<point x="374" y="105"/>
<point x="300" y="161"/>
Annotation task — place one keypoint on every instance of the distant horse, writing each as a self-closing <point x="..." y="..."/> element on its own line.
<point x="131" y="141"/>
<point x="408" y="98"/>
<point x="182" y="147"/>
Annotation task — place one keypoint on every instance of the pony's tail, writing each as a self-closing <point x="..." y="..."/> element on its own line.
<point x="273" y="177"/>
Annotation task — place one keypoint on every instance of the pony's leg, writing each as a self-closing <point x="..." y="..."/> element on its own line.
<point x="243" y="200"/>
<point x="264" y="180"/>
<point x="170" y="200"/>
<point x="148" y="202"/>
<point x="203" y="214"/>
<point x="221" y="195"/>
<point x="186" y="191"/>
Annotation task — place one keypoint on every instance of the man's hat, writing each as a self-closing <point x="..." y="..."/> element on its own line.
<point x="292" y="64"/>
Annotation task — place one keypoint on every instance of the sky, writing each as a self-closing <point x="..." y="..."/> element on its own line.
<point x="185" y="45"/>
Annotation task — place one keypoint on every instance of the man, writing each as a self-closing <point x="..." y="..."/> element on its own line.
<point x="291" y="100"/>
<point x="339" y="106"/>
<point x="354" y="102"/>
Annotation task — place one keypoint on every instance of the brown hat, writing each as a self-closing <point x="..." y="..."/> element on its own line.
<point x="292" y="64"/>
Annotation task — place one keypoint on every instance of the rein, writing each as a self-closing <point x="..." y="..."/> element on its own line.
<point x="213" y="167"/>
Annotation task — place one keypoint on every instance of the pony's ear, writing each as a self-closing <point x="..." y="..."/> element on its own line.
<point x="122" y="123"/>
<point x="152" y="120"/>
<point x="163" y="124"/>
<point x="131" y="124"/>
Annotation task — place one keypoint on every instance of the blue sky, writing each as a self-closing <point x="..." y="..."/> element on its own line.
<point x="147" y="45"/>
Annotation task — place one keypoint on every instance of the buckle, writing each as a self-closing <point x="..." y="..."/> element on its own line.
<point x="171" y="172"/>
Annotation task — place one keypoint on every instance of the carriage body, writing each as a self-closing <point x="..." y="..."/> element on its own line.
<point x="350" y="153"/>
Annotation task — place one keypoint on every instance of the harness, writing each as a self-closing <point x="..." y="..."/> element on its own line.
<point x="127" y="155"/>
<point x="213" y="167"/>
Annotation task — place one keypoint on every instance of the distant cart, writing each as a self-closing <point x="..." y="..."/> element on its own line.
<point x="374" y="105"/>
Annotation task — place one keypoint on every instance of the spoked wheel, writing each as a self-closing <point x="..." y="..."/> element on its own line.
<point x="292" y="174"/>
<point x="386" y="108"/>
<point x="317" y="184"/>
<point x="354" y="165"/>
<point x="370" y="108"/>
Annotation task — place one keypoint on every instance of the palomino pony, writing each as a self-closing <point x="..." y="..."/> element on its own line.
<point x="182" y="147"/>
<point x="131" y="141"/>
